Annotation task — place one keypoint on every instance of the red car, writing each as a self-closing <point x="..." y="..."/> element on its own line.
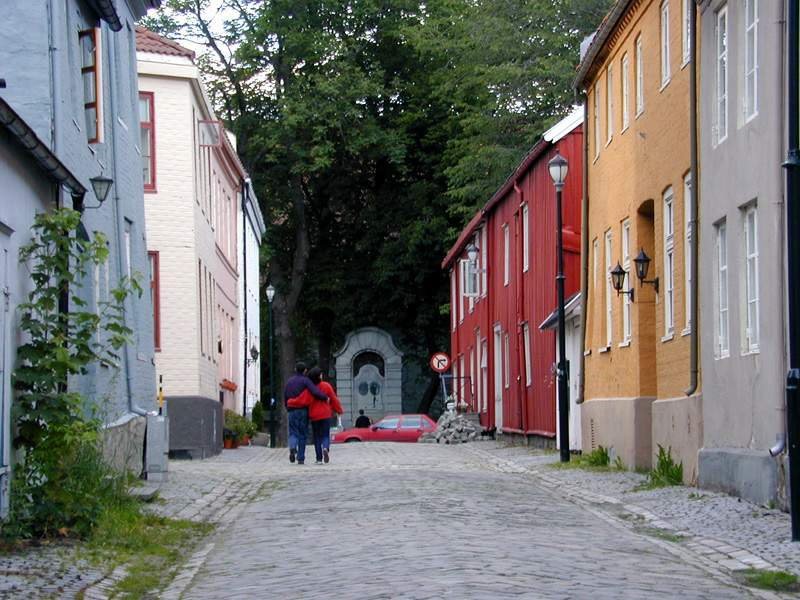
<point x="396" y="428"/>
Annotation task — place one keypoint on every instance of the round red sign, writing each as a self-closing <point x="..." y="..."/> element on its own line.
<point x="440" y="362"/>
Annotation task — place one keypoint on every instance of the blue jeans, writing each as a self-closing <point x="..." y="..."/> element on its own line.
<point x="298" y="425"/>
<point x="322" y="436"/>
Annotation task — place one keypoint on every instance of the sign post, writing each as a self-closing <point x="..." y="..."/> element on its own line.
<point x="440" y="362"/>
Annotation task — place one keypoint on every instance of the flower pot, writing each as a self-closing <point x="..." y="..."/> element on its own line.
<point x="246" y="440"/>
<point x="227" y="443"/>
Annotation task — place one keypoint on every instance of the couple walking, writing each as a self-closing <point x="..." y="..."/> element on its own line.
<point x="309" y="398"/>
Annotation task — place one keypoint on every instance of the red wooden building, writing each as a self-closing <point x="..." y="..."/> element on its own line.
<point x="502" y="363"/>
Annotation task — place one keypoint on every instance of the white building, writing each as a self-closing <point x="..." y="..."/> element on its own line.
<point x="193" y="181"/>
<point x="251" y="234"/>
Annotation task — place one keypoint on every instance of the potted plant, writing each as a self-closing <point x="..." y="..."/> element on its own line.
<point x="228" y="438"/>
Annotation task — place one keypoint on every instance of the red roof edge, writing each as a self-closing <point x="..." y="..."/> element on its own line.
<point x="149" y="41"/>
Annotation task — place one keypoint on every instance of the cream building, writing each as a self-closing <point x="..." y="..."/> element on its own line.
<point x="193" y="183"/>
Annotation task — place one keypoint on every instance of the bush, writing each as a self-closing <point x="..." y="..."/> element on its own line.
<point x="598" y="458"/>
<point x="258" y="415"/>
<point x="239" y="425"/>
<point x="666" y="472"/>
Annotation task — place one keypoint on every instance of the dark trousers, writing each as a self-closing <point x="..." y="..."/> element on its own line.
<point x="298" y="425"/>
<point x="322" y="436"/>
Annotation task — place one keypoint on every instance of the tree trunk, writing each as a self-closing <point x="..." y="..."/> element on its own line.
<point x="434" y="384"/>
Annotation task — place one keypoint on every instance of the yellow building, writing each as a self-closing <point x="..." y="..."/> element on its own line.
<point x="636" y="78"/>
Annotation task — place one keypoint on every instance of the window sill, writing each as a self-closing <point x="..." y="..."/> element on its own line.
<point x="751" y="352"/>
<point x="664" y="85"/>
<point x="639" y="113"/>
<point x="626" y="344"/>
<point x="604" y="349"/>
<point x="750" y="118"/>
<point x="624" y="129"/>
<point x="587" y="352"/>
<point x="608" y="141"/>
<point x="669" y="337"/>
<point x="685" y="63"/>
<point x="687" y="331"/>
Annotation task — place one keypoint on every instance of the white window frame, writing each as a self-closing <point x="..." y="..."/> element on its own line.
<point x="596" y="120"/>
<point x="525" y="239"/>
<point x="626" y="298"/>
<point x="750" y="312"/>
<point x="626" y="72"/>
<point x="484" y="374"/>
<point x="471" y="381"/>
<point x="721" y="88"/>
<point x="506" y="255"/>
<point x="722" y="305"/>
<point x="469" y="280"/>
<point x="453" y="300"/>
<point x="665" y="63"/>
<point x="478" y="373"/>
<point x="526" y="336"/>
<point x="484" y="261"/>
<point x="595" y="261"/>
<point x="506" y="361"/>
<point x="688" y="245"/>
<point x="609" y="104"/>
<point x="609" y="290"/>
<point x="750" y="70"/>
<point x="686" y="29"/>
<point x="669" y="263"/>
<point x="639" y="67"/>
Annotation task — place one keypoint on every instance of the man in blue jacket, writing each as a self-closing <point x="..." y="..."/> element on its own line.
<point x="298" y="417"/>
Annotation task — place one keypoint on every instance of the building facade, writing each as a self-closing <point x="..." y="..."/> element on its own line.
<point x="70" y="100"/>
<point x="743" y="346"/>
<point x="192" y="180"/>
<point x="502" y="363"/>
<point x="636" y="79"/>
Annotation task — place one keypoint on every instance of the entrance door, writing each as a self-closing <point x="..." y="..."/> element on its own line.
<point x="498" y="378"/>
<point x="574" y="349"/>
<point x="5" y="377"/>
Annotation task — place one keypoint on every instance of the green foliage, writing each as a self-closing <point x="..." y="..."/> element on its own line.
<point x="665" y="473"/>
<point x="619" y="465"/>
<point x="61" y="483"/>
<point x="598" y="457"/>
<point x="238" y="425"/>
<point x="258" y="415"/>
<point x="778" y="581"/>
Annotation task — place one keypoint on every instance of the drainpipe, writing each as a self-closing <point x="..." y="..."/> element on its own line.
<point x="245" y="192"/>
<point x="520" y="302"/>
<point x="55" y="103"/>
<point x="792" y="166"/>
<point x="111" y="115"/>
<point x="694" y="369"/>
<point x="584" y="252"/>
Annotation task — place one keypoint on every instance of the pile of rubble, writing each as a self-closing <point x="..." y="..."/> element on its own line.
<point x="452" y="429"/>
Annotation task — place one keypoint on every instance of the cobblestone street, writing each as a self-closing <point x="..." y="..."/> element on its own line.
<point x="420" y="521"/>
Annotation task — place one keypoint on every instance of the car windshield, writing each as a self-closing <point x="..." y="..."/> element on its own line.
<point x="411" y="422"/>
<point x="388" y="423"/>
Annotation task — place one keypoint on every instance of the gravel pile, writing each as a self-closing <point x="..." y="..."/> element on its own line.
<point x="452" y="429"/>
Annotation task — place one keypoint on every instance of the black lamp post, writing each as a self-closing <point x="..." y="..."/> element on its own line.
<point x="642" y="266"/>
<point x="618" y="275"/>
<point x="270" y="298"/>
<point x="558" y="171"/>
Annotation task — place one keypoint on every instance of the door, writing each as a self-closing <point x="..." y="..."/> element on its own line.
<point x="410" y="428"/>
<point x="385" y="430"/>
<point x="5" y="376"/>
<point x="574" y="358"/>
<point x="498" y="378"/>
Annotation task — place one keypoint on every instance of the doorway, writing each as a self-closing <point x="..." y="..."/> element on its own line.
<point x="498" y="378"/>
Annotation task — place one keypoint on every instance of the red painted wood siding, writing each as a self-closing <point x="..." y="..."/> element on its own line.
<point x="529" y="296"/>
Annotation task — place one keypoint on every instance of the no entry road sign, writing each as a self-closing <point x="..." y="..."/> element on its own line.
<point x="440" y="362"/>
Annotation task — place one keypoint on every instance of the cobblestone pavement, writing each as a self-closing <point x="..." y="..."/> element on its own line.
<point x="418" y="521"/>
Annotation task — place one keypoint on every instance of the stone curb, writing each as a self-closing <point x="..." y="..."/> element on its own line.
<point x="701" y="551"/>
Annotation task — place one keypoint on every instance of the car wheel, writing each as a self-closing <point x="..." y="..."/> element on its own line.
<point x="349" y="440"/>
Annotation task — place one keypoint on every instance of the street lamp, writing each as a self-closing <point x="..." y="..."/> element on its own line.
<point x="558" y="172"/>
<point x="472" y="253"/>
<point x="270" y="297"/>
<point x="101" y="185"/>
<point x="618" y="275"/>
<point x="642" y="265"/>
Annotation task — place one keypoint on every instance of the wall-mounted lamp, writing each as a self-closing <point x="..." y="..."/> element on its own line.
<point x="472" y="253"/>
<point x="618" y="281"/>
<point x="253" y="355"/>
<point x="642" y="265"/>
<point x="101" y="186"/>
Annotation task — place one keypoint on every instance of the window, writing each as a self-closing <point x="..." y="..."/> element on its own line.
<point x="453" y="305"/>
<point x="155" y="297"/>
<point x="526" y="334"/>
<point x="127" y="240"/>
<point x="477" y="381"/>
<point x="469" y="280"/>
<point x="609" y="104"/>
<point x="390" y="423"/>
<point x="595" y="259"/>
<point x="525" y="244"/>
<point x="723" y="330"/>
<point x="471" y="382"/>
<point x="669" y="263"/>
<point x="462" y="382"/>
<point x="411" y="422"/>
<point x="89" y="41"/>
<point x="688" y="246"/>
<point x="639" y="58"/>
<point x="147" y="140"/>
<point x="751" y="278"/>
<point x="484" y="374"/>
<point x="506" y="361"/>
<point x="484" y="261"/>
<point x="665" y="73"/>
<point x="626" y="298"/>
<point x="721" y="41"/>
<point x="750" y="58"/>
<point x="686" y="29"/>
<point x="596" y="120"/>
<point x="506" y="256"/>
<point x="626" y="73"/>
<point x="609" y="289"/>
<point x="201" y="314"/>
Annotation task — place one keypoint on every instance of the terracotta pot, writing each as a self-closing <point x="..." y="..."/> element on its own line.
<point x="227" y="443"/>
<point x="246" y="440"/>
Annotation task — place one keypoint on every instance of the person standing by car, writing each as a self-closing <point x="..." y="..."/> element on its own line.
<point x="362" y="422"/>
<point x="320" y="413"/>
<point x="298" y="417"/>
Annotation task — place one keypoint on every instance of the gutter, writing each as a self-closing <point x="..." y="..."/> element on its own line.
<point x="584" y="253"/>
<point x="694" y="368"/>
<point x="245" y="188"/>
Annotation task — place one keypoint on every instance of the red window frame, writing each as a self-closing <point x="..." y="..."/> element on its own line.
<point x="155" y="294"/>
<point x="151" y="126"/>
<point x="94" y="68"/>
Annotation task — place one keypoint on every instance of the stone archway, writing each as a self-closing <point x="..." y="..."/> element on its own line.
<point x="369" y="375"/>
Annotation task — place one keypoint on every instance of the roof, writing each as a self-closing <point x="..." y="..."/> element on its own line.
<point x="108" y="12"/>
<point x="609" y="23"/>
<point x="572" y="307"/>
<point x="555" y="133"/>
<point x="148" y="41"/>
<point x="37" y="149"/>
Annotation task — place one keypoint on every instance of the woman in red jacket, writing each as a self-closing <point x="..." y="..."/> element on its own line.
<point x="320" y="413"/>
